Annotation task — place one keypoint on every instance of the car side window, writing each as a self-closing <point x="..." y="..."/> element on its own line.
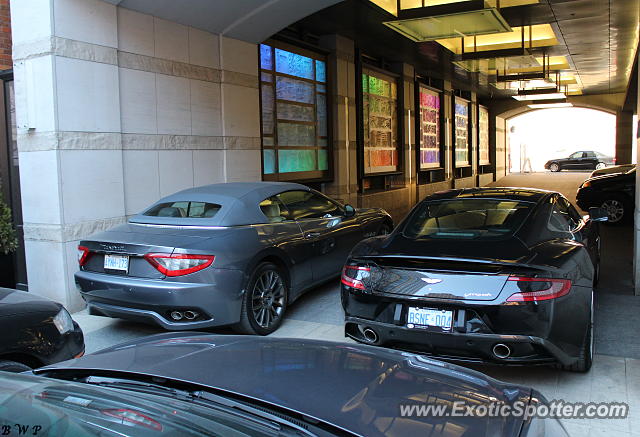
<point x="590" y="154"/>
<point x="575" y="155"/>
<point x="575" y="219"/>
<point x="560" y="219"/>
<point x="274" y="210"/>
<point x="307" y="205"/>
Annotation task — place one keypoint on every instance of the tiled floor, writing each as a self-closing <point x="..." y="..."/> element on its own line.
<point x="615" y="375"/>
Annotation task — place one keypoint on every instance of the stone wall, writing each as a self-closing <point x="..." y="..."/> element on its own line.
<point x="115" y="109"/>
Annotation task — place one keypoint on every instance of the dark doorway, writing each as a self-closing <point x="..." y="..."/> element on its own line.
<point x="13" y="265"/>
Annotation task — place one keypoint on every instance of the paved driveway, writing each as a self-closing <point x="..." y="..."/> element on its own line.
<point x="615" y="375"/>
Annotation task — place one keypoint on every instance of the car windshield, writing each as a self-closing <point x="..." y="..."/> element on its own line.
<point x="183" y="210"/>
<point x="467" y="218"/>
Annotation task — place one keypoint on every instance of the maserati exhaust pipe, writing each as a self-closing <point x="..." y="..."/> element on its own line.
<point x="370" y="335"/>
<point x="501" y="351"/>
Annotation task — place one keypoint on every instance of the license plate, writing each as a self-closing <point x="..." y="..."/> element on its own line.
<point x="429" y="317"/>
<point x="116" y="262"/>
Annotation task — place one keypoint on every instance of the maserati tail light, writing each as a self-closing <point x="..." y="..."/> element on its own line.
<point x="179" y="264"/>
<point x="83" y="255"/>
<point x="537" y="289"/>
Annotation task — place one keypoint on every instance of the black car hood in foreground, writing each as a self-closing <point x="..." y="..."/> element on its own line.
<point x="355" y="387"/>
<point x="14" y="302"/>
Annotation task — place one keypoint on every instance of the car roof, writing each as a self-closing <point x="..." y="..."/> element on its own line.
<point x="513" y="193"/>
<point x="239" y="203"/>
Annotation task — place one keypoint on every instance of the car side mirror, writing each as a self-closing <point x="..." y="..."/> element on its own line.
<point x="349" y="211"/>
<point x="598" y="214"/>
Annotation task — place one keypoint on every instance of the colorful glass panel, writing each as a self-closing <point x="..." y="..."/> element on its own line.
<point x="294" y="90"/>
<point x="380" y="108"/>
<point x="294" y="113"/>
<point x="296" y="160"/>
<point x="462" y="133"/>
<point x="321" y="71"/>
<point x="269" y="161"/>
<point x="483" y="129"/>
<point x="293" y="134"/>
<point x="266" y="58"/>
<point x="294" y="64"/>
<point x="429" y="129"/>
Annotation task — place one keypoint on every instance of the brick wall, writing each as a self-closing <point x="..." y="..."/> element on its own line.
<point x="5" y="36"/>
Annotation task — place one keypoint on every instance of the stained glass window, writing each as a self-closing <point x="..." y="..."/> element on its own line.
<point x="294" y="115"/>
<point x="462" y="132"/>
<point x="380" y="117"/>
<point x="483" y="129"/>
<point x="429" y="129"/>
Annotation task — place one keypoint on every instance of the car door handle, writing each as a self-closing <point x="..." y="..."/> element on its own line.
<point x="312" y="235"/>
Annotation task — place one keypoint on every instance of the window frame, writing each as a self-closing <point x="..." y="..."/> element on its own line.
<point x="488" y="137"/>
<point x="468" y="162"/>
<point x="418" y="135"/>
<point x="399" y="134"/>
<point x="299" y="176"/>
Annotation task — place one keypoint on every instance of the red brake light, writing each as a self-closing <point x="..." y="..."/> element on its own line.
<point x="537" y="289"/>
<point x="134" y="417"/>
<point x="178" y="264"/>
<point x="353" y="276"/>
<point x="83" y="255"/>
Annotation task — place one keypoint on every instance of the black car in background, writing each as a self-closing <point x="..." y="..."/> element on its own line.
<point x="579" y="161"/>
<point x="35" y="332"/>
<point x="502" y="275"/>
<point x="184" y="384"/>
<point x="613" y="192"/>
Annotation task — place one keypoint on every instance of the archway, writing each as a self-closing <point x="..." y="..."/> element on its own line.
<point x="534" y="137"/>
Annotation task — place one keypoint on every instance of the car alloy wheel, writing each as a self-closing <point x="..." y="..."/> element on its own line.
<point x="615" y="210"/>
<point x="267" y="299"/>
<point x="600" y="165"/>
<point x="554" y="167"/>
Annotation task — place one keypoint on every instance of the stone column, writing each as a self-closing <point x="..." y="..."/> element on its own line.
<point x="342" y="89"/>
<point x="624" y="140"/>
<point x="69" y="133"/>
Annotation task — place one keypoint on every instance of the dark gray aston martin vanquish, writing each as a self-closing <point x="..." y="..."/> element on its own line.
<point x="504" y="275"/>
<point x="223" y="254"/>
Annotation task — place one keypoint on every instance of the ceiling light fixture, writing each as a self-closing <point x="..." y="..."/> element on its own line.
<point x="547" y="104"/>
<point x="539" y="94"/>
<point x="452" y="20"/>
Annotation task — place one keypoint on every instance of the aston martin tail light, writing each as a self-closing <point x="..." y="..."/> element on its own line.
<point x="353" y="276"/>
<point x="537" y="289"/>
<point x="178" y="264"/>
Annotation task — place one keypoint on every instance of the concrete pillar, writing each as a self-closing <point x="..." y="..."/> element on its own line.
<point x="636" y="252"/>
<point x="410" y="107"/>
<point x="624" y="140"/>
<point x="342" y="87"/>
<point x="115" y="109"/>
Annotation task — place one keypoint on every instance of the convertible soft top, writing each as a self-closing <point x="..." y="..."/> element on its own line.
<point x="239" y="203"/>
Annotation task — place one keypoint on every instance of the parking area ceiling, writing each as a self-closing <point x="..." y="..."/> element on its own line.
<point x="248" y="20"/>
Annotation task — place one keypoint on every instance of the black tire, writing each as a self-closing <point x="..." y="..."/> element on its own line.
<point x="618" y="209"/>
<point x="13" y="366"/>
<point x="554" y="167"/>
<point x="586" y="350"/>
<point x="272" y="298"/>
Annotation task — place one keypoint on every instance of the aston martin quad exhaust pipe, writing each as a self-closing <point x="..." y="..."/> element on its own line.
<point x="501" y="351"/>
<point x="370" y="335"/>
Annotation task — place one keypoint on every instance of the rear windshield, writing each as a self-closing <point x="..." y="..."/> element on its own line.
<point x="183" y="210"/>
<point x="467" y="218"/>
